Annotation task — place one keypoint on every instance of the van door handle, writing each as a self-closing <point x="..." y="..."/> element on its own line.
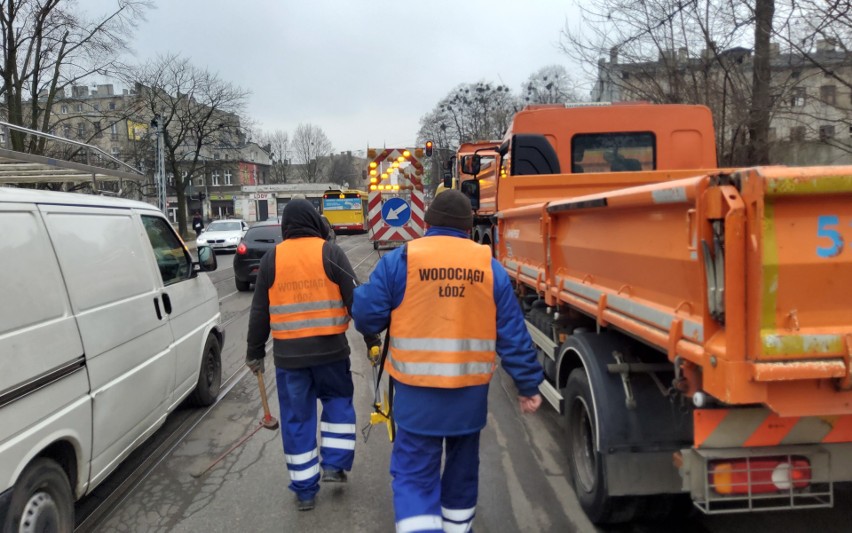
<point x="167" y="304"/>
<point x="157" y="309"/>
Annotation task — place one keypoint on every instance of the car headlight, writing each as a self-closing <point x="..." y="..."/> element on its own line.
<point x="201" y="241"/>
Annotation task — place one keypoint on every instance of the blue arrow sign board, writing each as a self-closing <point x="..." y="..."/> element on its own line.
<point x="396" y="212"/>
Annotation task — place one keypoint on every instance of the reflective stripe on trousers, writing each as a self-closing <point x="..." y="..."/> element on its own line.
<point x="457" y="520"/>
<point x="424" y="522"/>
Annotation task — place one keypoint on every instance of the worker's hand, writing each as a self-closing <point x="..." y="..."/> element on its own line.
<point x="374" y="348"/>
<point x="530" y="404"/>
<point x="255" y="365"/>
<point x="374" y="353"/>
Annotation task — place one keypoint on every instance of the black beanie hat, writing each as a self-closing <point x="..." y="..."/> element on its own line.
<point x="450" y="209"/>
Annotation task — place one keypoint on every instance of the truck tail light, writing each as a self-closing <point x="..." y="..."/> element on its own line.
<point x="761" y="475"/>
<point x="242" y="249"/>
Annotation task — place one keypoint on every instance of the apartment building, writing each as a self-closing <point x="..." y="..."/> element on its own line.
<point x="811" y="121"/>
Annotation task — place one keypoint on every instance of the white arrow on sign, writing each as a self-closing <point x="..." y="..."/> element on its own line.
<point x="393" y="214"/>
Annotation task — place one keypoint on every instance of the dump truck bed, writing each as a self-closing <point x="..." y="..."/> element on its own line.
<point x="742" y="274"/>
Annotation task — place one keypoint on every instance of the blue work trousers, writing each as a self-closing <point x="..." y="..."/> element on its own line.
<point x="298" y="391"/>
<point x="423" y="498"/>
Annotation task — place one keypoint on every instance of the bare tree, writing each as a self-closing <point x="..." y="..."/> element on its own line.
<point x="197" y="110"/>
<point x="50" y="45"/>
<point x="310" y="146"/>
<point x="470" y="112"/>
<point x="550" y="85"/>
<point x="745" y="60"/>
<point x="343" y="169"/>
<point x="278" y="143"/>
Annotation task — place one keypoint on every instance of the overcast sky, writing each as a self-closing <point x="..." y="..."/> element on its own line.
<point x="364" y="71"/>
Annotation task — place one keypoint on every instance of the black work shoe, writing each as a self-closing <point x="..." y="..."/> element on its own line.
<point x="334" y="476"/>
<point x="306" y="505"/>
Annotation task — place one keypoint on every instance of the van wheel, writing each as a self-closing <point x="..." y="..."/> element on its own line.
<point x="210" y="376"/>
<point x="586" y="463"/>
<point x="242" y="286"/>
<point x="375" y="245"/>
<point x="41" y="500"/>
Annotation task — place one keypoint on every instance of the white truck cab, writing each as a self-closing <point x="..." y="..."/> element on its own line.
<point x="105" y="327"/>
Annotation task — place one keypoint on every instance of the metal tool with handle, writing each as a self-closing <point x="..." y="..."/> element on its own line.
<point x="382" y="406"/>
<point x="269" y="421"/>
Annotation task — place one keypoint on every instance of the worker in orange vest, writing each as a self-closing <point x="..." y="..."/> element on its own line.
<point x="302" y="295"/>
<point x="451" y="310"/>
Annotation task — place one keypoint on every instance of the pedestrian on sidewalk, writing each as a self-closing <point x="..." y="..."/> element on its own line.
<point x="303" y="295"/>
<point x="451" y="309"/>
<point x="197" y="224"/>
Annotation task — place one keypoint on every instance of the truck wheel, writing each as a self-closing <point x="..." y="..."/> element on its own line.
<point x="586" y="463"/>
<point x="375" y="245"/>
<point x="242" y="286"/>
<point x="210" y="376"/>
<point x="41" y="500"/>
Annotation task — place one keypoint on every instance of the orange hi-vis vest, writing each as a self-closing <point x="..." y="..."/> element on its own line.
<point x="303" y="302"/>
<point x="444" y="333"/>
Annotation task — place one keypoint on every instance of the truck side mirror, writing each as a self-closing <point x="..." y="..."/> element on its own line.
<point x="448" y="179"/>
<point x="470" y="188"/>
<point x="470" y="164"/>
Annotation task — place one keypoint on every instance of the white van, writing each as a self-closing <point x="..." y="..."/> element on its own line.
<point x="105" y="327"/>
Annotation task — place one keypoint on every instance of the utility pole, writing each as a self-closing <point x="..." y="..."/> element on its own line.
<point x="160" y="175"/>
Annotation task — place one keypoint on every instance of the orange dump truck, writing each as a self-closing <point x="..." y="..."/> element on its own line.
<point x="695" y="325"/>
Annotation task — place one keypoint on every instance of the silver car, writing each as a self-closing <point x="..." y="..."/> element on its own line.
<point x="223" y="234"/>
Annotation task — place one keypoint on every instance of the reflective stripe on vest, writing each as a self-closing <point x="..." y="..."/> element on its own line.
<point x="444" y="332"/>
<point x="303" y="302"/>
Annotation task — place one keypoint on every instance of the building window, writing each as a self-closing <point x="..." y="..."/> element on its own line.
<point x="214" y="178"/>
<point x="64" y="109"/>
<point x="81" y="130"/>
<point x="112" y="105"/>
<point x="828" y="94"/>
<point x="115" y="151"/>
<point x="171" y="179"/>
<point x="228" y="177"/>
<point x="797" y="133"/>
<point x="79" y="108"/>
<point x="216" y="156"/>
<point x="98" y="131"/>
<point x="798" y="98"/>
<point x="199" y="182"/>
<point x="66" y="131"/>
<point x="826" y="132"/>
<point x="96" y="106"/>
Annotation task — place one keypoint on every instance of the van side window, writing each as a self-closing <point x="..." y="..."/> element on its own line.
<point x="175" y="264"/>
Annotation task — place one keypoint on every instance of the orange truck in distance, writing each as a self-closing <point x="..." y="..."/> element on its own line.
<point x="694" y="323"/>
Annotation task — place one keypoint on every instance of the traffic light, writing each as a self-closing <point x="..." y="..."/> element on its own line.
<point x="428" y="148"/>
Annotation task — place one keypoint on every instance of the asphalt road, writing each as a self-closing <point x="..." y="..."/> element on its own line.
<point x="524" y="481"/>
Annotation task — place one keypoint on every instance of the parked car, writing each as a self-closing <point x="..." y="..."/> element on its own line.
<point x="260" y="238"/>
<point x="105" y="327"/>
<point x="223" y="234"/>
